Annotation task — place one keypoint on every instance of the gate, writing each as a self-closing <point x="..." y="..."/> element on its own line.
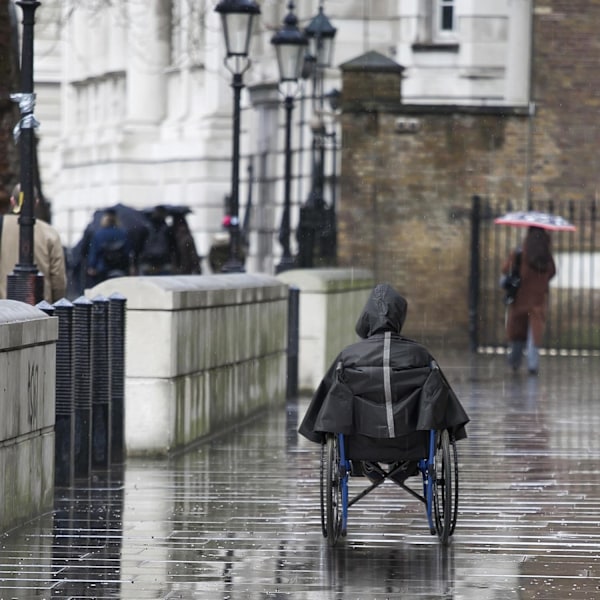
<point x="572" y="326"/>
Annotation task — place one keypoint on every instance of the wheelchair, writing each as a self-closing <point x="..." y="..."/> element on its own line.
<point x="431" y="454"/>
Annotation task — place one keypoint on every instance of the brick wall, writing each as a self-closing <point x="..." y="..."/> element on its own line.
<point x="566" y="92"/>
<point x="405" y="205"/>
<point x="405" y="197"/>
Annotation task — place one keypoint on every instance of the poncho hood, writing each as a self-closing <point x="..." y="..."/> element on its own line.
<point x="385" y="310"/>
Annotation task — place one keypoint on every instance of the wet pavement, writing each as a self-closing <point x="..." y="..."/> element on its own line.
<point x="238" y="517"/>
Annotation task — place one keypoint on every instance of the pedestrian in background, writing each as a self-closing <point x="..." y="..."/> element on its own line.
<point x="526" y="316"/>
<point x="48" y="252"/>
<point x="187" y="259"/>
<point x="159" y="251"/>
<point x="110" y="250"/>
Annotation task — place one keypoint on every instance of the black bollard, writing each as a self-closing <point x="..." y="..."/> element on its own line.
<point x="83" y="386"/>
<point x="293" y="341"/>
<point x="100" y="384"/>
<point x="46" y="307"/>
<point x="116" y="342"/>
<point x="64" y="466"/>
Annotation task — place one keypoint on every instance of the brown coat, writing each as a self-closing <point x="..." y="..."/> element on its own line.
<point x="530" y="305"/>
<point x="48" y="255"/>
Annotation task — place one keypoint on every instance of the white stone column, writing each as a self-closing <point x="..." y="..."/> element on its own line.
<point x="117" y="40"/>
<point x="518" y="55"/>
<point x="148" y="51"/>
<point x="267" y="103"/>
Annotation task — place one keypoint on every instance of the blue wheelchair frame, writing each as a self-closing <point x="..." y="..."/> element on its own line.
<point x="439" y="472"/>
<point x="423" y="466"/>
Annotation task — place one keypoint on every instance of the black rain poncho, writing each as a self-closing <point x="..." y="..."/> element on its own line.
<point x="383" y="386"/>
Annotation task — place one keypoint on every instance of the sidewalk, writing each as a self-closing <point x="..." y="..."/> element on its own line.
<point x="238" y="518"/>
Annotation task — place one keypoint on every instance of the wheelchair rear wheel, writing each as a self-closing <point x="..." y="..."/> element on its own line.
<point x="331" y="489"/>
<point x="445" y="486"/>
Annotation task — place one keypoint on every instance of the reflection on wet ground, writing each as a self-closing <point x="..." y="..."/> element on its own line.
<point x="238" y="517"/>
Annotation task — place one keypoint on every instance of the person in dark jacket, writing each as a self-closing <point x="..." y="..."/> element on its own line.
<point x="526" y="316"/>
<point x="159" y="251"/>
<point x="110" y="250"/>
<point x="188" y="261"/>
<point x="384" y="387"/>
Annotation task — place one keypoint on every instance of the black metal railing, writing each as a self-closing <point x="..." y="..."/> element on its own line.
<point x="574" y="304"/>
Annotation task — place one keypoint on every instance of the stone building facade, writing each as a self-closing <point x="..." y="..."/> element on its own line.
<point x="135" y="104"/>
<point x="495" y="97"/>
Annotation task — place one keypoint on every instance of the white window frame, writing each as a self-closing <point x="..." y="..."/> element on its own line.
<point x="439" y="32"/>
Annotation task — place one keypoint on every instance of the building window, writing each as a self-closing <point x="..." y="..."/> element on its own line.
<point x="445" y="17"/>
<point x="436" y="27"/>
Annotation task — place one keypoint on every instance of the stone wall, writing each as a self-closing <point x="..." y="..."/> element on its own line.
<point x="27" y="393"/>
<point x="203" y="353"/>
<point x="330" y="302"/>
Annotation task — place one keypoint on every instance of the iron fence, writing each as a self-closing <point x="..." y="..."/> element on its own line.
<point x="573" y="310"/>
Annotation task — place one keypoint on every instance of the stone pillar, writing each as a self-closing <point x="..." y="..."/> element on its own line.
<point x="518" y="54"/>
<point x="266" y="101"/>
<point x="331" y="300"/>
<point x="148" y="56"/>
<point x="371" y="95"/>
<point x="27" y="394"/>
<point x="371" y="79"/>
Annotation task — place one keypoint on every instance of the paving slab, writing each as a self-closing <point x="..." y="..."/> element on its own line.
<point x="238" y="517"/>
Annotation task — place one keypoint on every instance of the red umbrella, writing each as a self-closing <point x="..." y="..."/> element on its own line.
<point x="532" y="218"/>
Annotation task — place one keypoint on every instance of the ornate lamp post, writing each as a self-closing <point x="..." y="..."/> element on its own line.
<point x="321" y="34"/>
<point x="237" y="17"/>
<point x="25" y="283"/>
<point x="315" y="219"/>
<point x="289" y="44"/>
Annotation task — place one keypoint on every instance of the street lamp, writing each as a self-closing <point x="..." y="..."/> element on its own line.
<point x="289" y="44"/>
<point x="321" y="33"/>
<point x="237" y="17"/>
<point x="316" y="220"/>
<point x="25" y="283"/>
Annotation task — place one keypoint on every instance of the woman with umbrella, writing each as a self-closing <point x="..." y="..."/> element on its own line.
<point x="526" y="317"/>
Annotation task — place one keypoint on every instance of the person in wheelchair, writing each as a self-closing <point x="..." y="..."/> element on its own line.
<point x="382" y="393"/>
